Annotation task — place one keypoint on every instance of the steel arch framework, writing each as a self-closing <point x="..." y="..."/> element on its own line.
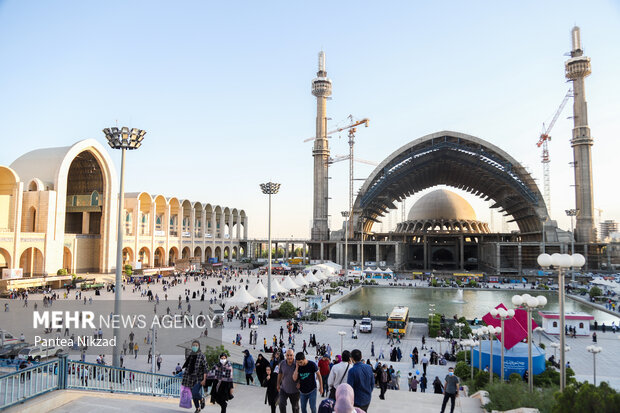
<point x="458" y="160"/>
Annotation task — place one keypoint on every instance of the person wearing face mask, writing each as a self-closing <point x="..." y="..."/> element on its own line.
<point x="195" y="374"/>
<point x="450" y="390"/>
<point x="222" y="389"/>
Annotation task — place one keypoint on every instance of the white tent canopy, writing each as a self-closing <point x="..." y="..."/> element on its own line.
<point x="311" y="278"/>
<point x="301" y="280"/>
<point x="289" y="284"/>
<point x="259" y="290"/>
<point x="241" y="298"/>
<point x="276" y="287"/>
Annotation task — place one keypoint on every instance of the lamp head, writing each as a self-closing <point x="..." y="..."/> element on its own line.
<point x="566" y="261"/>
<point x="555" y="259"/>
<point x="517" y="300"/>
<point x="578" y="260"/>
<point x="510" y="312"/>
<point x="542" y="300"/>
<point x="544" y="260"/>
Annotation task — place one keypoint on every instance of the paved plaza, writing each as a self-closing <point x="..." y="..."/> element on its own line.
<point x="326" y="332"/>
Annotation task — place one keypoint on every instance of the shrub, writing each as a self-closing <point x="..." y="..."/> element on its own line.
<point x="434" y="282"/>
<point x="333" y="284"/>
<point x="584" y="397"/>
<point x="356" y="281"/>
<point x="481" y="379"/>
<point x="61" y="271"/>
<point x="595" y="292"/>
<point x="459" y="282"/>
<point x="128" y="269"/>
<point x="318" y="316"/>
<point x="472" y="283"/>
<point x="515" y="378"/>
<point x="310" y="292"/>
<point x="463" y="355"/>
<point x="462" y="370"/>
<point x="542" y="345"/>
<point x="287" y="310"/>
<point x="465" y="330"/>
<point x="508" y="396"/>
<point x="434" y="325"/>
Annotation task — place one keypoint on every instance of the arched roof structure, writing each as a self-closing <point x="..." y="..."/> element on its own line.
<point x="458" y="160"/>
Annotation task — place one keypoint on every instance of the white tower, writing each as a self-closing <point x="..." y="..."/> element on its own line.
<point x="322" y="89"/>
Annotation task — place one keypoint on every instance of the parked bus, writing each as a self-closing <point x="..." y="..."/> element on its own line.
<point x="398" y="321"/>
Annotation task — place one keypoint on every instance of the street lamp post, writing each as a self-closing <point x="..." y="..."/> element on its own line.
<point x="469" y="344"/>
<point x="440" y="340"/>
<point x="346" y="214"/>
<point x="123" y="139"/>
<point x="529" y="304"/>
<point x="362" y="221"/>
<point x="594" y="350"/>
<point x="502" y="315"/>
<point x="270" y="188"/>
<point x="459" y="326"/>
<point x="491" y="331"/>
<point x="480" y="335"/>
<point x="539" y="330"/>
<point x="572" y="213"/>
<point x="561" y="261"/>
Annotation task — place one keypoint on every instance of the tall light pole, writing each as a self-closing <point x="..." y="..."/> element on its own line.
<point x="529" y="304"/>
<point x="346" y="214"/>
<point x="561" y="261"/>
<point x="459" y="326"/>
<point x="123" y="139"/>
<point x="594" y="350"/>
<point x="342" y="334"/>
<point x="572" y="213"/>
<point x="270" y="188"/>
<point x="480" y="333"/>
<point x="362" y="221"/>
<point x="469" y="344"/>
<point x="502" y="315"/>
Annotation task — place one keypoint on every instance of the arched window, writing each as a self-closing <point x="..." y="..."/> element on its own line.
<point x="555" y="324"/>
<point x="94" y="198"/>
<point x="580" y="325"/>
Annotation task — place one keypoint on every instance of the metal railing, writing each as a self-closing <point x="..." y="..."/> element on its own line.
<point x="88" y="376"/>
<point x="62" y="373"/>
<point x="30" y="382"/>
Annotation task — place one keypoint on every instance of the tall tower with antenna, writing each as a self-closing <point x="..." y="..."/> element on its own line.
<point x="577" y="69"/>
<point x="322" y="89"/>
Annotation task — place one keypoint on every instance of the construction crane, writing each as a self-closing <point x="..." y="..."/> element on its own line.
<point x="543" y="142"/>
<point x="352" y="125"/>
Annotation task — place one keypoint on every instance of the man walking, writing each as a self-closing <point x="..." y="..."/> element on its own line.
<point x="338" y="374"/>
<point x="362" y="379"/>
<point x="450" y="390"/>
<point x="305" y="373"/>
<point x="424" y="362"/>
<point x="287" y="386"/>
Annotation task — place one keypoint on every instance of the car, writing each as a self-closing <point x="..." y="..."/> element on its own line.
<point x="8" y="338"/>
<point x="10" y="351"/>
<point x="39" y="352"/>
<point x="366" y="325"/>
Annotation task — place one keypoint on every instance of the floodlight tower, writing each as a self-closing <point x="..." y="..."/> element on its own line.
<point x="322" y="89"/>
<point x="577" y="69"/>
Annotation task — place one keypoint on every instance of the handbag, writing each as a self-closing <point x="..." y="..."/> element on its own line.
<point x="332" y="390"/>
<point x="186" y="398"/>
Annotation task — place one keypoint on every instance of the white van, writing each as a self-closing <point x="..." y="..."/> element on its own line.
<point x="39" y="352"/>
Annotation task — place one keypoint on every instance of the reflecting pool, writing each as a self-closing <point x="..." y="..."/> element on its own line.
<point x="468" y="303"/>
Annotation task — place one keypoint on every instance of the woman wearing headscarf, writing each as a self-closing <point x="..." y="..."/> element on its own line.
<point x="195" y="373"/>
<point x="271" y="383"/>
<point x="437" y="386"/>
<point x="222" y="388"/>
<point x="343" y="403"/>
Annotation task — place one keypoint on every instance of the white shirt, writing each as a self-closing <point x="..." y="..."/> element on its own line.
<point x="337" y="374"/>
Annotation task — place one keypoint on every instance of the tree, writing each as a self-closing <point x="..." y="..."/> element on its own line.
<point x="584" y="397"/>
<point x="310" y="292"/>
<point x="287" y="309"/>
<point x="212" y="354"/>
<point x="595" y="292"/>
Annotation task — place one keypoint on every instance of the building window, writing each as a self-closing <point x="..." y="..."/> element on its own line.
<point x="580" y="325"/>
<point x="555" y="324"/>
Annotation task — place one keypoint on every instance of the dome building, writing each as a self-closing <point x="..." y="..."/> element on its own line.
<point x="442" y="211"/>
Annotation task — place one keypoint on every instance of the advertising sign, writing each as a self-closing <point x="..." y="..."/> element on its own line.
<point x="12" y="273"/>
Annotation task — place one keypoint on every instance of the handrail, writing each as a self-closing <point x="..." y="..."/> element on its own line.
<point x="62" y="373"/>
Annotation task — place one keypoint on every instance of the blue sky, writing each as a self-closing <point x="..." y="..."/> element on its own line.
<point x="223" y="89"/>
